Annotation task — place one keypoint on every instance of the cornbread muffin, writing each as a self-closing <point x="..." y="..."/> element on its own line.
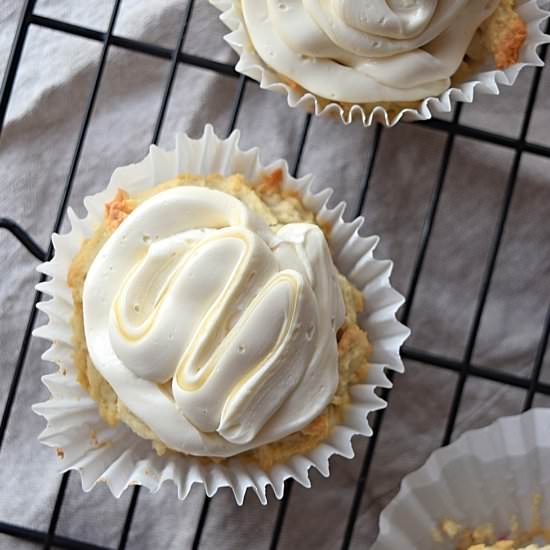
<point x="278" y="209"/>
<point x="376" y="53"/>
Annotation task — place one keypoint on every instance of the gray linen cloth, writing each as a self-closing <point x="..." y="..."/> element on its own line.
<point x="43" y="121"/>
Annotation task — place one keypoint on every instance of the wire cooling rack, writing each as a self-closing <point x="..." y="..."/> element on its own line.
<point x="464" y="368"/>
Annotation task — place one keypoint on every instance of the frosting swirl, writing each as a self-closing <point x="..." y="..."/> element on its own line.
<point x="215" y="331"/>
<point x="362" y="51"/>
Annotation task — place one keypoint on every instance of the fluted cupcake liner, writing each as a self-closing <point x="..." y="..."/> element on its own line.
<point x="116" y="455"/>
<point x="483" y="82"/>
<point x="498" y="475"/>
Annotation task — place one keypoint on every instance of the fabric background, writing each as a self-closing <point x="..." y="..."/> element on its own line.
<point x="43" y="120"/>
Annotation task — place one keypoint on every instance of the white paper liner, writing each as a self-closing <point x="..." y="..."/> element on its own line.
<point x="485" y="82"/>
<point x="488" y="475"/>
<point x="119" y="457"/>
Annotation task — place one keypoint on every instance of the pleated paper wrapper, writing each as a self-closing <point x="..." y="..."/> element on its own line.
<point x="497" y="475"/>
<point x="486" y="81"/>
<point x="118" y="457"/>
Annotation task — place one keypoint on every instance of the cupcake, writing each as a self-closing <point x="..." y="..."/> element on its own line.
<point x="210" y="319"/>
<point x="490" y="489"/>
<point x="378" y="60"/>
<point x="217" y="327"/>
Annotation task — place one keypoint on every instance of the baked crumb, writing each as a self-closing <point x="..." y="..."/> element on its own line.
<point x="319" y="426"/>
<point x="117" y="209"/>
<point x="504" y="33"/>
<point x="483" y="537"/>
<point x="326" y="228"/>
<point x="271" y="182"/>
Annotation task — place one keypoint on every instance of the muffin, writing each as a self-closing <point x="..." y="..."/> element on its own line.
<point x="214" y="321"/>
<point x="268" y="344"/>
<point x="356" y="58"/>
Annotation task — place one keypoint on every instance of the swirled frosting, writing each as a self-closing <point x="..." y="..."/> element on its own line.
<point x="215" y="331"/>
<point x="362" y="51"/>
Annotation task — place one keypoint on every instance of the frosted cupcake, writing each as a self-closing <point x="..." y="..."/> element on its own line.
<point x="210" y="320"/>
<point x="360" y="58"/>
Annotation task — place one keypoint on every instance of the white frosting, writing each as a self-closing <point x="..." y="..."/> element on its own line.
<point x="216" y="332"/>
<point x="362" y="51"/>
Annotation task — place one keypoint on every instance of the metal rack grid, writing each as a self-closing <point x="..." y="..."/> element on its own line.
<point x="465" y="368"/>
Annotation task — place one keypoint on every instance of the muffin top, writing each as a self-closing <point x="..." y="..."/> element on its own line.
<point x="361" y="52"/>
<point x="215" y="329"/>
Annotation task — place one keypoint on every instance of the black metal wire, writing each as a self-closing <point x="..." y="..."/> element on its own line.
<point x="537" y="366"/>
<point x="378" y="128"/>
<point x="125" y="533"/>
<point x="283" y="506"/>
<point x="56" y="510"/>
<point x="135" y="45"/>
<point x="486" y="136"/>
<point x="60" y="212"/>
<point x="173" y="70"/>
<point x="158" y="126"/>
<point x="227" y="69"/>
<point x="201" y="522"/>
<point x="495" y="247"/>
<point x="301" y="146"/>
<point x="176" y="55"/>
<point x="484" y="373"/>
<point x="281" y="515"/>
<point x="24" y="238"/>
<point x="14" y="58"/>
<point x="429" y="222"/>
<point x="419" y="262"/>
<point x="38" y="537"/>
<point x="237" y="105"/>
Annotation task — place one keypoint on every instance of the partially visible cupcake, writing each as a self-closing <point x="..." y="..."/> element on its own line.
<point x="357" y="58"/>
<point x="490" y="489"/>
<point x="210" y="320"/>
